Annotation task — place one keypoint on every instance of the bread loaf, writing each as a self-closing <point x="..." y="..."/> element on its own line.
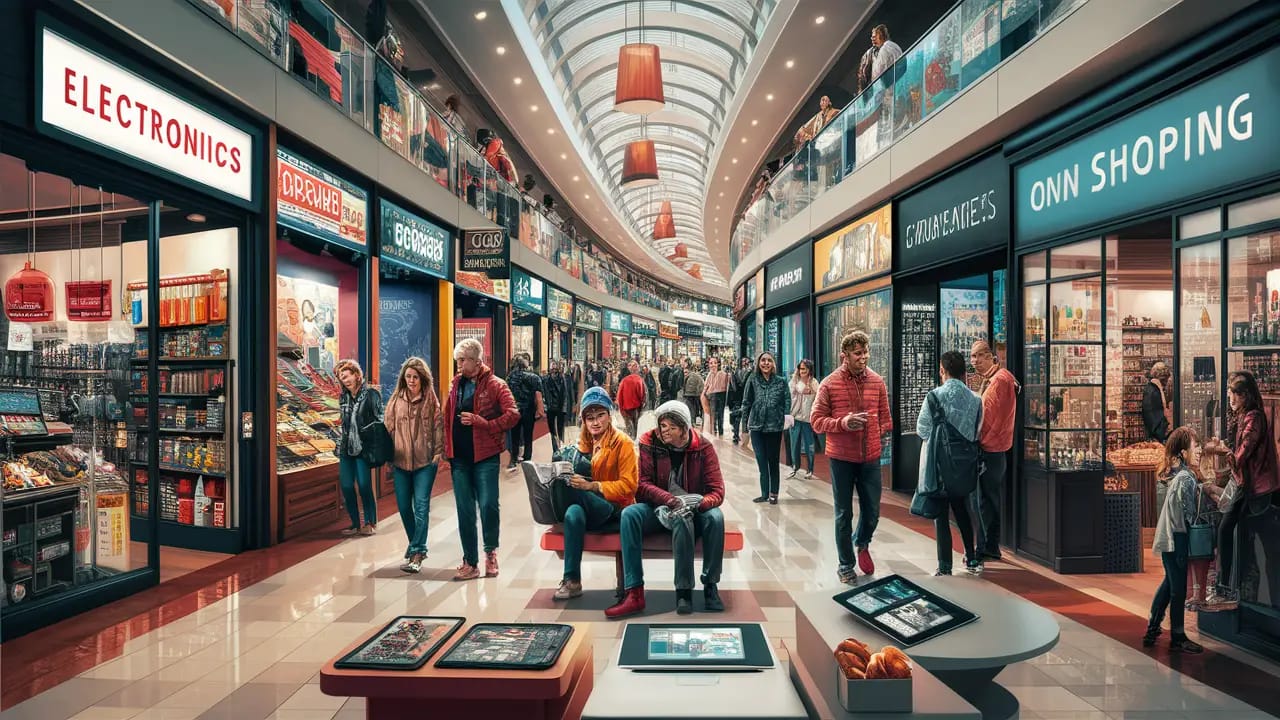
<point x="896" y="662"/>
<point x="857" y="647"/>
<point x="876" y="669"/>
<point x="850" y="665"/>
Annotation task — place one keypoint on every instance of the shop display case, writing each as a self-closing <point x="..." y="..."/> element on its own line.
<point x="1143" y="346"/>
<point x="919" y="360"/>
<point x="307" y="416"/>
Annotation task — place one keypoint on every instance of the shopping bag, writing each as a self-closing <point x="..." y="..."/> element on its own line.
<point x="927" y="506"/>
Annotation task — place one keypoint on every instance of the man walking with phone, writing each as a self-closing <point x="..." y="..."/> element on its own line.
<point x="999" y="393"/>
<point x="852" y="410"/>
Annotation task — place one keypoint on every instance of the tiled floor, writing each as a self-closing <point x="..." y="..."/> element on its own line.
<point x="255" y="652"/>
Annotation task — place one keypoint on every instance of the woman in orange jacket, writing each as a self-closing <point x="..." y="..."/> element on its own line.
<point x="598" y="500"/>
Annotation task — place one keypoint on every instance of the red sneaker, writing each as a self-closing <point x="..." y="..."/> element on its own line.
<point x="865" y="563"/>
<point x="632" y="604"/>
<point x="491" y="563"/>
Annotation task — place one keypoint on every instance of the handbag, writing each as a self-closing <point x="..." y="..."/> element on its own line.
<point x="378" y="447"/>
<point x="929" y="507"/>
<point x="1201" y="535"/>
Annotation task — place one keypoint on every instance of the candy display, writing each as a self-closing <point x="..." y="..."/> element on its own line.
<point x="307" y="416"/>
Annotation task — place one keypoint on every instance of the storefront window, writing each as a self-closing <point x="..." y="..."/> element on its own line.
<point x="1080" y="258"/>
<point x="868" y="313"/>
<point x="1253" y="308"/>
<point x="1200" y="338"/>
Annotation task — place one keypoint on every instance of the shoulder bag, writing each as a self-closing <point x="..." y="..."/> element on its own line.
<point x="1201" y="534"/>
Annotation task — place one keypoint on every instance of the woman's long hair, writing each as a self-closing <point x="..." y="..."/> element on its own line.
<point x="808" y="364"/>
<point x="424" y="374"/>
<point x="1179" y="440"/>
<point x="1245" y="385"/>
<point x="760" y="357"/>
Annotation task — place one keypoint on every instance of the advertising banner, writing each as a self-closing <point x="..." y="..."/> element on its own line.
<point x="617" y="322"/>
<point x="671" y="331"/>
<point x="644" y="326"/>
<point x="857" y="251"/>
<point x="317" y="202"/>
<point x="559" y="305"/>
<point x="496" y="288"/>
<point x="485" y="251"/>
<point x="740" y="297"/>
<point x="585" y="316"/>
<point x="965" y="213"/>
<point x="414" y="241"/>
<point x="689" y="330"/>
<point x="528" y="292"/>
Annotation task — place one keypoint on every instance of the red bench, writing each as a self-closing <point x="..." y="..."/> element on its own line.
<point x="654" y="545"/>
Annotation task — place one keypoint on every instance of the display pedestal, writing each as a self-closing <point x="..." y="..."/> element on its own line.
<point x="953" y="674"/>
<point x="763" y="695"/>
<point x="558" y="692"/>
<point x="309" y="500"/>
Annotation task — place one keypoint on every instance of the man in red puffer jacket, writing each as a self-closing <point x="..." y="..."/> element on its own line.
<point x="630" y="398"/>
<point x="852" y="410"/>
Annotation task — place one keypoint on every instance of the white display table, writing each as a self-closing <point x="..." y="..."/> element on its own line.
<point x="967" y="660"/>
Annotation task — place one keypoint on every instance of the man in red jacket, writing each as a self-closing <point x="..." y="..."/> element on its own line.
<point x="681" y="488"/>
<point x="999" y="393"/>
<point x="630" y="400"/>
<point x="852" y="410"/>
<point x="478" y="412"/>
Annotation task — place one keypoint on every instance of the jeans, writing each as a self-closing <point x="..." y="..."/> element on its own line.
<point x="802" y="443"/>
<point x="413" y="497"/>
<point x="766" y="446"/>
<point x="631" y="418"/>
<point x="942" y="531"/>
<point x="353" y="472"/>
<point x="716" y="401"/>
<point x="695" y="407"/>
<point x="986" y="501"/>
<point x="642" y="519"/>
<point x="735" y="419"/>
<point x="1227" y="543"/>
<point x="476" y="482"/>
<point x="555" y="426"/>
<point x="587" y="512"/>
<point x="1172" y="593"/>
<point x="522" y="437"/>
<point x="846" y="478"/>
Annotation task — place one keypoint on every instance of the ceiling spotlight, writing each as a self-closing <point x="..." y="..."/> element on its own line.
<point x="735" y="161"/>
<point x="533" y="108"/>
<point x="576" y="178"/>
<point x="551" y="131"/>
<point x="769" y="97"/>
<point x="516" y="80"/>
<point x="791" y="64"/>
<point x="564" y="156"/>
<point x="755" y="123"/>
<point x="501" y="50"/>
<point x="717" y="207"/>
<point x="744" y="140"/>
<point x="482" y="15"/>
<point x="586" y="196"/>
<point x="726" y="178"/>
<point x="820" y="19"/>
<point x="196" y="218"/>
<point x="722" y="192"/>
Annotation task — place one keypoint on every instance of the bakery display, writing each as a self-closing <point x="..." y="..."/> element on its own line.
<point x="857" y="662"/>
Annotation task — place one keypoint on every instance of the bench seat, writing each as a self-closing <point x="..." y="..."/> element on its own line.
<point x="656" y="544"/>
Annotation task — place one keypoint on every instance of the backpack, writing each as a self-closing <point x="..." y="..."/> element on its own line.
<point x="957" y="460"/>
<point x="519" y="383"/>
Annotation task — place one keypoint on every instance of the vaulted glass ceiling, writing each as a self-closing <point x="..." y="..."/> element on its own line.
<point x="705" y="47"/>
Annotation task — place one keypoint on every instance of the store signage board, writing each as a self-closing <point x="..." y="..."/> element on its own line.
<point x="528" y="292"/>
<point x="644" y="326"/>
<point x="559" y="305"/>
<point x="496" y="288"/>
<point x="689" y="330"/>
<point x="586" y="317"/>
<point x="88" y="300"/>
<point x="485" y="251"/>
<point x="740" y="298"/>
<point x="787" y="278"/>
<point x="963" y="214"/>
<point x="1219" y="133"/>
<point x="415" y="241"/>
<point x="857" y="251"/>
<point x="671" y="331"/>
<point x="92" y="98"/>
<point x="755" y="290"/>
<point x="317" y="202"/>
<point x="617" y="322"/>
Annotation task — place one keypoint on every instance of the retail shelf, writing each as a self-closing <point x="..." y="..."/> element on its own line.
<point x="187" y="471"/>
<point x="183" y="360"/>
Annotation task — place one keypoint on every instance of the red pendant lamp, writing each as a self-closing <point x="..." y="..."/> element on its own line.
<point x="639" y="165"/>
<point x="639" y="88"/>
<point x="665" y="226"/>
<point x="695" y="270"/>
<point x="679" y="252"/>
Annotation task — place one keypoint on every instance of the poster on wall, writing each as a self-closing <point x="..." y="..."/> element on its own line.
<point x="671" y="331"/>
<point x="496" y="288"/>
<point x="617" y="322"/>
<point x="857" y="251"/>
<point x="528" y="292"/>
<point x="405" y="310"/>
<point x="740" y="298"/>
<point x="485" y="251"/>
<point x="476" y="328"/>
<point x="317" y="202"/>
<point x="772" y="337"/>
<point x="587" y="317"/>
<point x="559" y="305"/>
<point x="307" y="318"/>
<point x="415" y="241"/>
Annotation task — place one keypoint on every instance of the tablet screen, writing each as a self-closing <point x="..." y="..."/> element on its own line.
<point x="903" y="610"/>
<point x="696" y="643"/>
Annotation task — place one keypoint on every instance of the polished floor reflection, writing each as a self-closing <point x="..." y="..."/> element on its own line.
<point x="254" y="651"/>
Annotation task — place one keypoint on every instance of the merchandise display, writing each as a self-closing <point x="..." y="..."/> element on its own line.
<point x="903" y="610"/>
<point x="869" y="313"/>
<point x="1144" y="346"/>
<point x="308" y="421"/>
<point x="919" y="359"/>
<point x="965" y="316"/>
<point x="517" y="646"/>
<point x="406" y="643"/>
<point x="857" y="662"/>
<point x="725" y="647"/>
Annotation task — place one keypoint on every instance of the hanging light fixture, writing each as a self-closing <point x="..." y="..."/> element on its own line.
<point x="665" y="226"/>
<point x="639" y="87"/>
<point x="679" y="252"/>
<point x="639" y="164"/>
<point x="695" y="270"/>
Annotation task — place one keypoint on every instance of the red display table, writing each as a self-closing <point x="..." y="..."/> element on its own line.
<point x="558" y="692"/>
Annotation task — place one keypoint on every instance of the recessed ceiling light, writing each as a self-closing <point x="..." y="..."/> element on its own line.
<point x="769" y="96"/>
<point x="551" y="131"/>
<point x="717" y="207"/>
<point x="564" y="156"/>
<point x="735" y="161"/>
<point x="721" y="193"/>
<point x="533" y="108"/>
<point x="755" y="123"/>
<point x="820" y="19"/>
<point x="726" y="178"/>
<point x="576" y="178"/>
<point x="744" y="140"/>
<point x="516" y="80"/>
<point x="500" y="50"/>
<point x="482" y="15"/>
<point x="196" y="218"/>
<point x="586" y="196"/>
<point x="791" y="64"/>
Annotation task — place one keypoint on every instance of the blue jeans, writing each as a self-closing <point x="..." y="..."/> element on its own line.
<point x="641" y="519"/>
<point x="352" y="472"/>
<point x="846" y="478"/>
<point x="476" y="483"/>
<point x="587" y="512"/>
<point x="413" y="497"/>
<point x="803" y="442"/>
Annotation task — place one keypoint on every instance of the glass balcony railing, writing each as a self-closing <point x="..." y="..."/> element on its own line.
<point x="309" y="41"/>
<point x="961" y="48"/>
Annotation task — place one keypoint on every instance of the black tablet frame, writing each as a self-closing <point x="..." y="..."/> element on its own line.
<point x="959" y="615"/>
<point x="344" y="664"/>
<point x="446" y="663"/>
<point x="633" y="652"/>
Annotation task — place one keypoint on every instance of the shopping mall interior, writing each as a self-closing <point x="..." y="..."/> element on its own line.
<point x="941" y="338"/>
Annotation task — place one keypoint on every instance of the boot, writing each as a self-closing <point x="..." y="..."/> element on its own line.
<point x="1153" y="632"/>
<point x="711" y="601"/>
<point x="632" y="604"/>
<point x="684" y="602"/>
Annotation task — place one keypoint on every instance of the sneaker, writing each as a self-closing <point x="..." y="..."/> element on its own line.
<point x="491" y="563"/>
<point x="684" y="602"/>
<point x="368" y="529"/>
<point x="942" y="572"/>
<point x="762" y="498"/>
<point x="1183" y="645"/>
<point x="808" y="475"/>
<point x="511" y="467"/>
<point x="568" y="590"/>
<point x="794" y="472"/>
<point x="414" y="565"/>
<point x="351" y="532"/>
<point x="865" y="563"/>
<point x="973" y="566"/>
<point x="711" y="601"/>
<point x="1153" y="632"/>
<point x="466" y="572"/>
<point x="632" y="604"/>
<point x="773" y="499"/>
<point x="847" y="574"/>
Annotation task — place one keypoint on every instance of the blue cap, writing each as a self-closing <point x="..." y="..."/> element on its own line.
<point x="595" y="396"/>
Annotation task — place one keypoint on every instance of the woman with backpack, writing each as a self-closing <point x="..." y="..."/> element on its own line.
<point x="954" y="404"/>
<point x="361" y="408"/>
<point x="766" y="402"/>
<point x="416" y="425"/>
